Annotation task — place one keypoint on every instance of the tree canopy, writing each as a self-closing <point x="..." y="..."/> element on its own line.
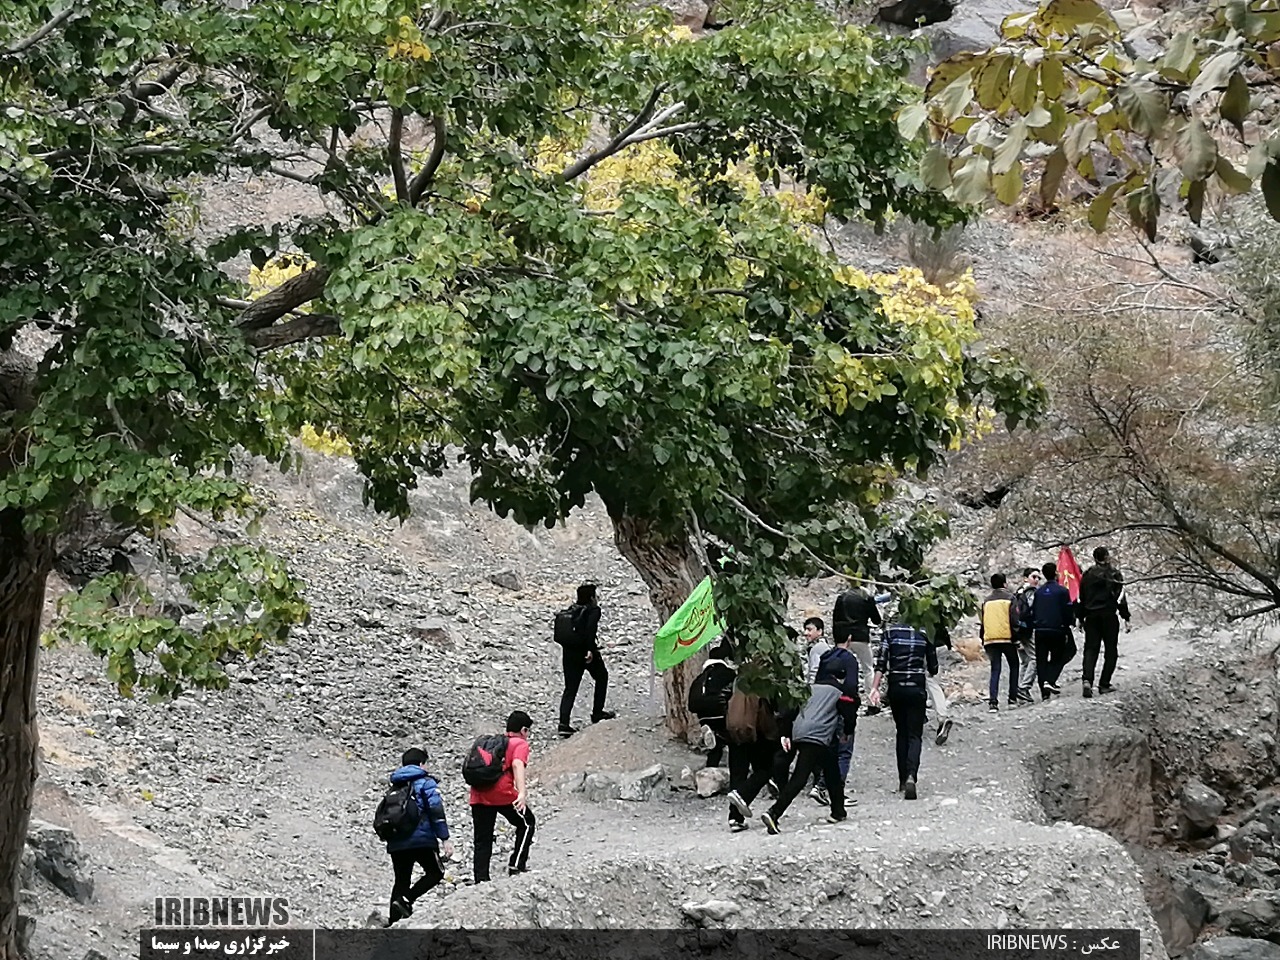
<point x="1146" y="112"/>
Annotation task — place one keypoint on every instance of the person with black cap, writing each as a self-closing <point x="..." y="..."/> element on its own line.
<point x="1101" y="599"/>
<point x="582" y="655"/>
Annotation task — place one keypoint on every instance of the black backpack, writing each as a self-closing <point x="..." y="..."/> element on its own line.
<point x="485" y="759"/>
<point x="1023" y="611"/>
<point x="566" y="627"/>
<point x="398" y="813"/>
<point x="710" y="692"/>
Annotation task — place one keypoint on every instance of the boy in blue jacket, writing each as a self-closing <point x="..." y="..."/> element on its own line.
<point x="1052" y="616"/>
<point x="424" y="845"/>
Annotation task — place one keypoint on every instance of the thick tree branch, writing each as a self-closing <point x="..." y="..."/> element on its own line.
<point x="40" y="34"/>
<point x="394" y="156"/>
<point x="424" y="176"/>
<point x="642" y="119"/>
<point x="285" y="298"/>
<point x="305" y="327"/>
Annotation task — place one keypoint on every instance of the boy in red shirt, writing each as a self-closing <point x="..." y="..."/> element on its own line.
<point x="506" y="797"/>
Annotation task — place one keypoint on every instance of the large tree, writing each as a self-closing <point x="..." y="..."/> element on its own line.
<point x="562" y="238"/>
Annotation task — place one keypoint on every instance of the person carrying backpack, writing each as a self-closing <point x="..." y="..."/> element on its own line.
<point x="855" y="611"/>
<point x="576" y="630"/>
<point x="495" y="768"/>
<point x="411" y="820"/>
<point x="709" y="697"/>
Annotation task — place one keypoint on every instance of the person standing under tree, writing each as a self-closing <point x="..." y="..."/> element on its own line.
<point x="855" y="611"/>
<point x="581" y="654"/>
<point x="1101" y="599"/>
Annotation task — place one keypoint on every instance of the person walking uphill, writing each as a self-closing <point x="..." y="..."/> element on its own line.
<point x="421" y="828"/>
<point x="995" y="630"/>
<point x="1101" y="599"/>
<point x="904" y="659"/>
<point x="1023" y="634"/>
<point x="1051" y="618"/>
<point x="495" y="768"/>
<point x="577" y="629"/>
<point x="855" y="611"/>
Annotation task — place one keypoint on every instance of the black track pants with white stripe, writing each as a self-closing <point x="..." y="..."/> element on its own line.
<point x="484" y="819"/>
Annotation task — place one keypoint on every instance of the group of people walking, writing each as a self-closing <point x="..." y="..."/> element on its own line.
<point x="1026" y="634"/>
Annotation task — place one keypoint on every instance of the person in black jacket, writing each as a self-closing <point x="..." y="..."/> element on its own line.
<point x="851" y="621"/>
<point x="583" y="656"/>
<point x="1101" y="599"/>
<point x="1052" y="616"/>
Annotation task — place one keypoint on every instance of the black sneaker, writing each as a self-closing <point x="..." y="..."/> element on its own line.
<point x="832" y="818"/>
<point x="902" y="785"/>
<point x="1024" y="696"/>
<point x="738" y="826"/>
<point x="871" y="711"/>
<point x="1107" y="689"/>
<point x="772" y="787"/>
<point x="1013" y="703"/>
<point x="736" y="801"/>
<point x="566" y="732"/>
<point x="909" y="788"/>
<point x="820" y="795"/>
<point x="770" y="824"/>
<point x="944" y="731"/>
<point x="1054" y="689"/>
<point x="399" y="910"/>
<point x="993" y="707"/>
<point x="1087" y="691"/>
<point x="603" y="715"/>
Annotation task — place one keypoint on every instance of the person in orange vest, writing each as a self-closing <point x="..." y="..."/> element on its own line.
<point x="995" y="630"/>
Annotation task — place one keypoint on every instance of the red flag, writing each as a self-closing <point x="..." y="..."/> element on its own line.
<point x="1069" y="572"/>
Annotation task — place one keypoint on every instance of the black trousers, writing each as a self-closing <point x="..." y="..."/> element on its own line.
<point x="907" y="706"/>
<point x="716" y="753"/>
<point x="1051" y="656"/>
<point x="751" y="766"/>
<point x="402" y="863"/>
<point x="575" y="665"/>
<point x="484" y="819"/>
<point x="811" y="757"/>
<point x="1101" y="631"/>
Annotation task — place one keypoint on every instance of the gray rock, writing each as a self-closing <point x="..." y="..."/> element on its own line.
<point x="641" y="784"/>
<point x="433" y="632"/>
<point x="507" y="580"/>
<point x="1201" y="805"/>
<point x="1254" y="916"/>
<point x="711" y="781"/>
<point x="716" y="911"/>
<point x="60" y="859"/>
<point x="1252" y="839"/>
<point x="26" y="928"/>
<point x="1234" y="948"/>
<point x="689" y="13"/>
<point x="93" y="954"/>
<point x="366" y="620"/>
<point x="27" y="870"/>
<point x="601" y="786"/>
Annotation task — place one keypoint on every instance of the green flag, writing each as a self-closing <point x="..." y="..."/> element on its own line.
<point x="690" y="629"/>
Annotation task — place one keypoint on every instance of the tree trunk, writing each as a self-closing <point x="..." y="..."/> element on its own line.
<point x="670" y="568"/>
<point x="24" y="565"/>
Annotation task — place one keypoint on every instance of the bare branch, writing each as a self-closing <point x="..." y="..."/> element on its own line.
<point x="645" y="116"/>
<point x="395" y="157"/>
<point x="304" y="327"/>
<point x="40" y="34"/>
<point x="424" y="176"/>
<point x="285" y="298"/>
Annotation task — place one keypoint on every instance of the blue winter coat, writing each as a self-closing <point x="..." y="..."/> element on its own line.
<point x="432" y="827"/>
<point x="839" y="664"/>
<point x="1052" y="609"/>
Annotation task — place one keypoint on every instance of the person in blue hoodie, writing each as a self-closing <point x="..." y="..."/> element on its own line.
<point x="1052" y="615"/>
<point x="427" y="841"/>
<point x="841" y="665"/>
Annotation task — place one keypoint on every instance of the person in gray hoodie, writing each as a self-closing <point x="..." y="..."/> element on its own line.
<point x="814" y="734"/>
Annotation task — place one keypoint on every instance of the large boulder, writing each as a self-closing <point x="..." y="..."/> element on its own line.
<point x="1234" y="948"/>
<point x="60" y="859"/>
<point x="1255" y="916"/>
<point x="1201" y="806"/>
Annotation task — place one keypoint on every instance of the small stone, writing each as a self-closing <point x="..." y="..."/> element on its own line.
<point x="716" y="911"/>
<point x="507" y="580"/>
<point x="711" y="781"/>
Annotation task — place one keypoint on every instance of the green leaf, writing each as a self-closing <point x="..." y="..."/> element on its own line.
<point x="956" y="97"/>
<point x="1051" y="179"/>
<point x="1232" y="180"/>
<point x="1235" y="104"/>
<point x="1199" y="151"/>
<point x="910" y="119"/>
<point x="1007" y="154"/>
<point x="935" y="168"/>
<point x="1270" y="184"/>
<point x="1179" y="55"/>
<point x="1064" y="16"/>
<point x="1100" y="208"/>
<point x="1008" y="185"/>
<point x="1213" y="74"/>
<point x="1196" y="191"/>
<point x="1145" y="106"/>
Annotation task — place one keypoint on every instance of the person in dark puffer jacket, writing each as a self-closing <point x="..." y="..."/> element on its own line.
<point x="425" y="844"/>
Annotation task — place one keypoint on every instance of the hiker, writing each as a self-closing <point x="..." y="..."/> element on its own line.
<point x="904" y="660"/>
<point x="816" y="646"/>
<point x="506" y="798"/>
<point x="581" y="653"/>
<point x="1052" y="617"/>
<point x="1023" y="634"/>
<point x="995" y="630"/>
<point x="1101" y="599"/>
<point x="937" y="698"/>
<point x="709" y="698"/>
<point x="839" y="665"/>
<point x="855" y="611"/>
<point x="423" y="844"/>
<point x="756" y="758"/>
<point x="815" y="730"/>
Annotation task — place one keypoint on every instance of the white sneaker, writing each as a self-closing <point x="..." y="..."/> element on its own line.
<point x="708" y="738"/>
